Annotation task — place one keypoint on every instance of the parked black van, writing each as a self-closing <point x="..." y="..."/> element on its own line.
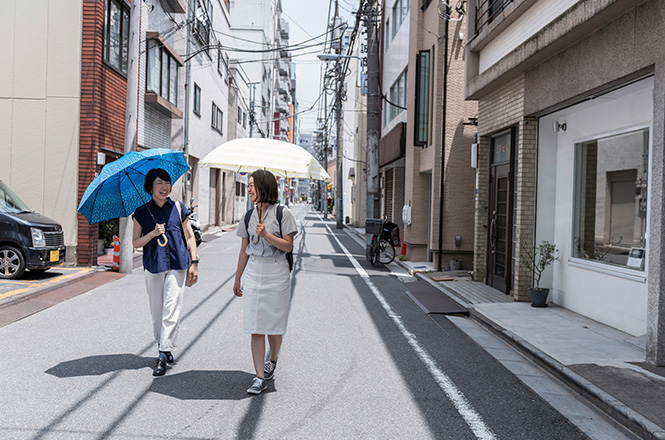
<point x="28" y="240"/>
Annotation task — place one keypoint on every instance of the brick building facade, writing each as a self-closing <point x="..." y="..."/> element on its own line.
<point x="102" y="127"/>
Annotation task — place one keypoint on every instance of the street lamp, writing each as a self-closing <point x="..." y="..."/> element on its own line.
<point x="335" y="57"/>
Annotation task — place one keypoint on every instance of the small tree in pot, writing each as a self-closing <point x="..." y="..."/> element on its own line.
<point x="537" y="260"/>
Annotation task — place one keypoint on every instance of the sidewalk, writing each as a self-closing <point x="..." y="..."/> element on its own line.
<point x="604" y="365"/>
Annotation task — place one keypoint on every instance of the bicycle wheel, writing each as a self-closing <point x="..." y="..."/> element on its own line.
<point x="373" y="251"/>
<point x="386" y="252"/>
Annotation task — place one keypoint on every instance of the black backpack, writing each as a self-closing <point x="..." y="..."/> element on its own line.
<point x="280" y="209"/>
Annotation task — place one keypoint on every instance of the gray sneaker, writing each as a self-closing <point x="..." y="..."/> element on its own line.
<point x="257" y="386"/>
<point x="269" y="370"/>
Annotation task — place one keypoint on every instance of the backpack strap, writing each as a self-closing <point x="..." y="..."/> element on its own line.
<point x="182" y="225"/>
<point x="280" y="210"/>
<point x="248" y="215"/>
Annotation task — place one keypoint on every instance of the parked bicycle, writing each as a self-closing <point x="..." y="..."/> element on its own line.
<point x="385" y="236"/>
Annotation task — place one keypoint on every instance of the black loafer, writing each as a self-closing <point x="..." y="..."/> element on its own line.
<point x="160" y="368"/>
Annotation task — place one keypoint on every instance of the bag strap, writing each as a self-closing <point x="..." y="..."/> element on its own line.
<point x="248" y="215"/>
<point x="280" y="209"/>
<point x="182" y="225"/>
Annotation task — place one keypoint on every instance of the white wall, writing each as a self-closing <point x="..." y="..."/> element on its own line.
<point x="40" y="86"/>
<point x="394" y="61"/>
<point x="524" y="27"/>
<point x="214" y="88"/>
<point x="611" y="295"/>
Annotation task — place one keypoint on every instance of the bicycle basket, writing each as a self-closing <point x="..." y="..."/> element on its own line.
<point x="391" y="231"/>
<point x="373" y="226"/>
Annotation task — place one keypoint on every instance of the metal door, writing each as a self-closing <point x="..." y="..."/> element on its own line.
<point x="500" y="231"/>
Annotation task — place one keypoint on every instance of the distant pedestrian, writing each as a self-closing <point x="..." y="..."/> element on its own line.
<point x="158" y="228"/>
<point x="263" y="277"/>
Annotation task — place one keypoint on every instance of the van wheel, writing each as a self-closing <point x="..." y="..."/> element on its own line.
<point x="12" y="262"/>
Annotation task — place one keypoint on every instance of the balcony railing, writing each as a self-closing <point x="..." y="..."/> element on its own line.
<point x="487" y="11"/>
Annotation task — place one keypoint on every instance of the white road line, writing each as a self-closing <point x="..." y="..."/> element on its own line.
<point x="456" y="397"/>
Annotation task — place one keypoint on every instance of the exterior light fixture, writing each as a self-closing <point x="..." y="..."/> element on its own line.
<point x="556" y="127"/>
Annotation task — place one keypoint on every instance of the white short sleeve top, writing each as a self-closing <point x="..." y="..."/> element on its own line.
<point x="259" y="247"/>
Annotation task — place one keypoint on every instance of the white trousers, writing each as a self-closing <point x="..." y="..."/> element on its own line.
<point x="165" y="293"/>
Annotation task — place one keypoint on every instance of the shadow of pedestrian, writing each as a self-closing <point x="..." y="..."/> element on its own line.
<point x="206" y="385"/>
<point x="101" y="364"/>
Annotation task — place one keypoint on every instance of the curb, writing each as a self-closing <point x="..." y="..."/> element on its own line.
<point x="618" y="411"/>
<point x="40" y="291"/>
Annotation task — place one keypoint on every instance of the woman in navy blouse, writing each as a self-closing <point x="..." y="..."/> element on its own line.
<point x="158" y="229"/>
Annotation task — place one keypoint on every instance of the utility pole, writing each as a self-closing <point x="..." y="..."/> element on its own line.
<point x="126" y="264"/>
<point x="252" y="115"/>
<point x="373" y="121"/>
<point x="188" y="73"/>
<point x="339" y="185"/>
<point x="325" y="156"/>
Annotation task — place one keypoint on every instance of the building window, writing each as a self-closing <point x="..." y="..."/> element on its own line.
<point x="244" y="120"/>
<point x="387" y="38"/>
<point x="202" y="21"/>
<point x="116" y="34"/>
<point x="222" y="63"/>
<point x="240" y="189"/>
<point x="398" y="96"/>
<point x="611" y="199"/>
<point x="400" y="11"/>
<point x="421" y="122"/>
<point x="197" y="100"/>
<point x="162" y="72"/>
<point x="239" y="115"/>
<point x="217" y="118"/>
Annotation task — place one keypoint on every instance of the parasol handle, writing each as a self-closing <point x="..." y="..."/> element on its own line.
<point x="162" y="243"/>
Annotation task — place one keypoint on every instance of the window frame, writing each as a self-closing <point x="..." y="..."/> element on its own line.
<point x="196" y="108"/>
<point x="606" y="267"/>
<point x="418" y="116"/>
<point x="217" y="119"/>
<point x="168" y="76"/>
<point x="387" y="35"/>
<point x="123" y="36"/>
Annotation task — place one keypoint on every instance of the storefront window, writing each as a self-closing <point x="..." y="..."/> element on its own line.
<point x="611" y="199"/>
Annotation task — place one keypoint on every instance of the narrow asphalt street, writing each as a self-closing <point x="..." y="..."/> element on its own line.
<point x="360" y="360"/>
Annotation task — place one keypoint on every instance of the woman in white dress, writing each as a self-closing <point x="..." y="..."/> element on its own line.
<point x="263" y="277"/>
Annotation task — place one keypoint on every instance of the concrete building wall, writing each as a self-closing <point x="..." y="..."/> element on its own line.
<point x="424" y="170"/>
<point x="40" y="91"/>
<point x="592" y="48"/>
<point x="253" y="28"/>
<point x="154" y="130"/>
<point x="203" y="138"/>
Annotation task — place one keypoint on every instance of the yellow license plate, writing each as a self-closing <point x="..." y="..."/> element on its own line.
<point x="55" y="255"/>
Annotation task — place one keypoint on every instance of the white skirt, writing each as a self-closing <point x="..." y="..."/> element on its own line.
<point x="266" y="293"/>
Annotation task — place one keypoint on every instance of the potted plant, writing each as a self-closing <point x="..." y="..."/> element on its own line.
<point x="106" y="232"/>
<point x="537" y="260"/>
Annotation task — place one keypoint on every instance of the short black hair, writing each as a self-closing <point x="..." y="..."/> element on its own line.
<point x="152" y="175"/>
<point x="266" y="185"/>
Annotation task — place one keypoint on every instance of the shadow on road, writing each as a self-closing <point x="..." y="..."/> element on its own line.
<point x="101" y="364"/>
<point x="206" y="385"/>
